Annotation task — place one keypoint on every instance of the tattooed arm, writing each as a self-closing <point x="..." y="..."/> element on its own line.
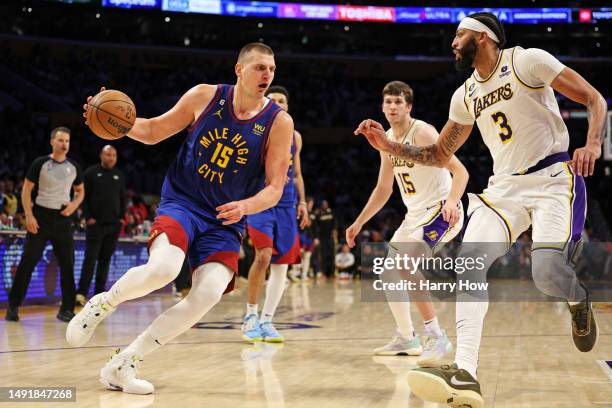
<point x="453" y="135"/>
<point x="576" y="88"/>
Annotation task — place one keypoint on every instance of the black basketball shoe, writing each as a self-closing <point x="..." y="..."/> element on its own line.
<point x="12" y="314"/>
<point x="584" y="326"/>
<point x="446" y="385"/>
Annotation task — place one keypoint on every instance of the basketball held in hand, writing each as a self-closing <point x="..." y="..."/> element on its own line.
<point x="111" y="114"/>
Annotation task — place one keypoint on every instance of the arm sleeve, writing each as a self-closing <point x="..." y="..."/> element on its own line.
<point x="34" y="171"/>
<point x="536" y="67"/>
<point x="458" y="111"/>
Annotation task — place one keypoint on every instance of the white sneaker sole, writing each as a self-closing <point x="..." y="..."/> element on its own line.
<point x="109" y="386"/>
<point x="429" y="387"/>
<point x="127" y="390"/>
<point x="252" y="339"/>
<point x="114" y="387"/>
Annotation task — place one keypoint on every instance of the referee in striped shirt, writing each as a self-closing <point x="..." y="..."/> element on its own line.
<point x="49" y="219"/>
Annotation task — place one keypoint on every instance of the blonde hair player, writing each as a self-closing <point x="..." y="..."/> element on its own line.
<point x="510" y="95"/>
<point x="434" y="216"/>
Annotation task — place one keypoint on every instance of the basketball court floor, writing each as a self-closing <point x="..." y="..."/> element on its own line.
<point x="527" y="357"/>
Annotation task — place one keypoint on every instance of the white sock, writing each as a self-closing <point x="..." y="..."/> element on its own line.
<point x="251" y="309"/>
<point x="209" y="282"/>
<point x="483" y="226"/>
<point x="470" y="318"/>
<point x="306" y="264"/>
<point x="573" y="303"/>
<point x="274" y="291"/>
<point x="164" y="264"/>
<point x="401" y="314"/>
<point x="143" y="345"/>
<point x="432" y="326"/>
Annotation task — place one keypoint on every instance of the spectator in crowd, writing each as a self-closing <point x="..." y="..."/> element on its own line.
<point x="49" y="219"/>
<point x="138" y="209"/>
<point x="1" y="197"/>
<point x="327" y="228"/>
<point x="345" y="263"/>
<point x="11" y="202"/>
<point x="131" y="226"/>
<point x="103" y="210"/>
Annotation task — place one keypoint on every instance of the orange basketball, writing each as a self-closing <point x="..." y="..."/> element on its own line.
<point x="111" y="114"/>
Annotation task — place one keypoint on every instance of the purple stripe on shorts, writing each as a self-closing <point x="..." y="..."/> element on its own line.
<point x="546" y="162"/>
<point x="578" y="208"/>
<point x="433" y="232"/>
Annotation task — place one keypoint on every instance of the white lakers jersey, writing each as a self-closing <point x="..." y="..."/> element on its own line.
<point x="421" y="186"/>
<point x="515" y="109"/>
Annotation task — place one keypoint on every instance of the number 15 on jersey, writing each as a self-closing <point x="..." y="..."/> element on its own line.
<point x="407" y="184"/>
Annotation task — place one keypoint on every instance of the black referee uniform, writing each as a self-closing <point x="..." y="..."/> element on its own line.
<point x="326" y="226"/>
<point x="105" y="203"/>
<point x="53" y="181"/>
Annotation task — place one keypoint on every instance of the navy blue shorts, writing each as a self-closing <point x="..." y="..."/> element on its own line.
<point x="203" y="240"/>
<point x="276" y="228"/>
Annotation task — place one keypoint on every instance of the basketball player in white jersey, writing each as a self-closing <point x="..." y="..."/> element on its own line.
<point x="435" y="216"/>
<point x="510" y="95"/>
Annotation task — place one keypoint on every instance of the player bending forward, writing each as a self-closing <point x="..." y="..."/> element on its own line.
<point x="237" y="137"/>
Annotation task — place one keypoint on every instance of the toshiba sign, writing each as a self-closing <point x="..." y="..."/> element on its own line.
<point x="364" y="13"/>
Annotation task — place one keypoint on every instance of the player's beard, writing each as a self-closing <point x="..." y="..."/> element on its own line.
<point x="468" y="53"/>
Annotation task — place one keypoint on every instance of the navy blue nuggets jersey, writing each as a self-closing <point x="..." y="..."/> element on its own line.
<point x="222" y="158"/>
<point x="289" y="196"/>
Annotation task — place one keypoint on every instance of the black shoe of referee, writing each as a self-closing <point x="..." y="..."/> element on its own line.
<point x="65" y="315"/>
<point x="12" y="315"/>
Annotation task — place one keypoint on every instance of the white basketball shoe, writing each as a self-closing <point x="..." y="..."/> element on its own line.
<point x="121" y="374"/>
<point x="82" y="326"/>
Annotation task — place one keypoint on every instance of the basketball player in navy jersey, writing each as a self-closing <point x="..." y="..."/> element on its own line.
<point x="275" y="236"/>
<point x="237" y="139"/>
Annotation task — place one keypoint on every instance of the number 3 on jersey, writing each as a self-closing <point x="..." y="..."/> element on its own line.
<point x="501" y="120"/>
<point x="407" y="184"/>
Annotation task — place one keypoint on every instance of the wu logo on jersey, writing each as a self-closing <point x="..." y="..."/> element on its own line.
<point x="432" y="235"/>
<point x="258" y="129"/>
